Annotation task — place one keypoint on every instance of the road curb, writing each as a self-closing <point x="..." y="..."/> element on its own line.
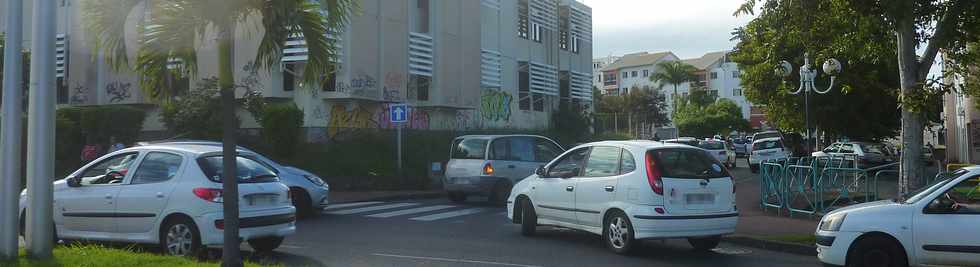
<point x="427" y="195"/>
<point x="755" y="242"/>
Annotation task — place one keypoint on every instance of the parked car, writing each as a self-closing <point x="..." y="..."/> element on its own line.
<point x="169" y="194"/>
<point x="310" y="193"/>
<point x="934" y="226"/>
<point x="691" y="141"/>
<point x="741" y="146"/>
<point x="766" y="149"/>
<point x="720" y="151"/>
<point x="767" y="134"/>
<point x="630" y="190"/>
<point x="866" y="154"/>
<point x="490" y="164"/>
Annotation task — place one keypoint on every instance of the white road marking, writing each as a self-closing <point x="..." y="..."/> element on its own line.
<point x="444" y="215"/>
<point x="290" y="247"/>
<point x="453" y="260"/>
<point x="372" y="208"/>
<point x="409" y="211"/>
<point x="348" y="205"/>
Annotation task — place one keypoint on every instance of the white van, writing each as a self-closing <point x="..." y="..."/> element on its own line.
<point x="489" y="165"/>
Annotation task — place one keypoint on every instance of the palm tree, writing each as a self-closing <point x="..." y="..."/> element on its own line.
<point x="674" y="73"/>
<point x="174" y="30"/>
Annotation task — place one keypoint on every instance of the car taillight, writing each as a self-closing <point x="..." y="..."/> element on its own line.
<point x="653" y="175"/>
<point x="488" y="169"/>
<point x="209" y="194"/>
<point x="219" y="224"/>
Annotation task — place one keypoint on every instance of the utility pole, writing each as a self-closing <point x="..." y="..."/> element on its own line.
<point x="10" y="142"/>
<point x="40" y="133"/>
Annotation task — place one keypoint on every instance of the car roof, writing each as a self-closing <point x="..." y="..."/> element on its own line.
<point x="491" y="136"/>
<point x="635" y="144"/>
<point x="190" y="148"/>
<point x="766" y="140"/>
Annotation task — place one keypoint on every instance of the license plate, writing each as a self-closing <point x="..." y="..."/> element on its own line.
<point x="700" y="199"/>
<point x="261" y="200"/>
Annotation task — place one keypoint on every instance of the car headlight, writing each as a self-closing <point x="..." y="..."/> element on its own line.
<point x="832" y="222"/>
<point x="315" y="180"/>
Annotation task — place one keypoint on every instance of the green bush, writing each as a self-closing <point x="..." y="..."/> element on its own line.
<point x="196" y="115"/>
<point x="282" y="125"/>
<point x="100" y="124"/>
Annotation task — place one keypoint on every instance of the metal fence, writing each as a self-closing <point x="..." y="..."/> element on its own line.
<point x="816" y="185"/>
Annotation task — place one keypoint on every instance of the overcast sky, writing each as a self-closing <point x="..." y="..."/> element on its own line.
<point x="689" y="28"/>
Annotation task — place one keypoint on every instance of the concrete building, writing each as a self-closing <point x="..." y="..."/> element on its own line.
<point x="458" y="64"/>
<point x="962" y="125"/>
<point x="597" y="65"/>
<point x="715" y="72"/>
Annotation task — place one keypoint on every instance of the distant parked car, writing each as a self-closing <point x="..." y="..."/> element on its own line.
<point x="766" y="149"/>
<point x="720" y="151"/>
<point x="691" y="141"/>
<point x="490" y="164"/>
<point x="933" y="226"/>
<point x="741" y="146"/>
<point x="169" y="194"/>
<point x="310" y="193"/>
<point x="628" y="191"/>
<point x="866" y="154"/>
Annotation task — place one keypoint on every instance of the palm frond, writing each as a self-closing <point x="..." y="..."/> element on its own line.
<point x="105" y="20"/>
<point x="168" y="44"/>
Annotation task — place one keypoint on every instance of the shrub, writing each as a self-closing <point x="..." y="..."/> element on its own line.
<point x="100" y="124"/>
<point x="196" y="115"/>
<point x="281" y="128"/>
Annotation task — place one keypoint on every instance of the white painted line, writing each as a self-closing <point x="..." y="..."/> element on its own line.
<point x="348" y="205"/>
<point x="409" y="211"/>
<point x="372" y="208"/>
<point x="453" y="260"/>
<point x="290" y="247"/>
<point x="444" y="215"/>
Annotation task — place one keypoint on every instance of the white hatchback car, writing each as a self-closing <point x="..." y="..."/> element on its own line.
<point x="630" y="190"/>
<point x="935" y="226"/>
<point x="766" y="149"/>
<point x="170" y="195"/>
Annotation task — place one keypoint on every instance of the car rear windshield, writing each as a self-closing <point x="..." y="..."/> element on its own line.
<point x="469" y="148"/>
<point x="712" y="145"/>
<point x="767" y="145"/>
<point x="688" y="163"/>
<point x="873" y="149"/>
<point x="249" y="170"/>
<point x="760" y="136"/>
<point x="684" y="142"/>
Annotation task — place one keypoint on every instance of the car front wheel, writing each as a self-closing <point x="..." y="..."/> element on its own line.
<point x="529" y="219"/>
<point x="876" y="251"/>
<point x="179" y="237"/>
<point x="266" y="244"/>
<point x="618" y="233"/>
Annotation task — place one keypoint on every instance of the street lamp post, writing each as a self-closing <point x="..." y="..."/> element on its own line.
<point x="808" y="74"/>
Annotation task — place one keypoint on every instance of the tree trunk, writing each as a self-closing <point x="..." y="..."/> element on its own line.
<point x="231" y="256"/>
<point x="673" y="110"/>
<point x="910" y="170"/>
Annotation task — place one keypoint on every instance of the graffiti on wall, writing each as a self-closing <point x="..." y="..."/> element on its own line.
<point x="417" y="118"/>
<point x="79" y="94"/>
<point x="392" y="86"/>
<point x="495" y="105"/>
<point x="118" y="91"/>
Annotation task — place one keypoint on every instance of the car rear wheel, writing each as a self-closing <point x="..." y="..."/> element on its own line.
<point x="529" y="219"/>
<point x="618" y="233"/>
<point x="876" y="251"/>
<point x="457" y="197"/>
<point x="266" y="244"/>
<point x="179" y="237"/>
<point x="704" y="243"/>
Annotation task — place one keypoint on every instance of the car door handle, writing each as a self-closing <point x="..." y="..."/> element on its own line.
<point x="511" y="166"/>
<point x="108" y="196"/>
<point x="159" y="194"/>
<point x="610" y="188"/>
<point x="570" y="188"/>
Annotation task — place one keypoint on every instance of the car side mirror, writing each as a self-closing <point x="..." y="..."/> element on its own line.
<point x="540" y="171"/>
<point x="74" y="181"/>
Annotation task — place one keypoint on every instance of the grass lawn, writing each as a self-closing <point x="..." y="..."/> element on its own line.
<point x="94" y="255"/>
<point x="799" y="239"/>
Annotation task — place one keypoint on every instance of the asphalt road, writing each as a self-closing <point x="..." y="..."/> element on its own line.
<point x="436" y="232"/>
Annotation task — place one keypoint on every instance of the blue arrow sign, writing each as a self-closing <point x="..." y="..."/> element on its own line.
<point x="398" y="113"/>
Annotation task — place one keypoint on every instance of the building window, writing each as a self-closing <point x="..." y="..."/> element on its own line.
<point x="538" y="101"/>
<point x="737" y="92"/>
<point x="522" y="18"/>
<point x="523" y="85"/>
<point x="330" y="83"/>
<point x="288" y="81"/>
<point x="625" y="75"/>
<point x="536" y="32"/>
<point x="62" y="86"/>
<point x="564" y="85"/>
<point x="633" y="74"/>
<point x="714" y="75"/>
<point x="735" y="74"/>
<point x="646" y="73"/>
<point x="713" y="94"/>
<point x="420" y="84"/>
<point x="179" y="84"/>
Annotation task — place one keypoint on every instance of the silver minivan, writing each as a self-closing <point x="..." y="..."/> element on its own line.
<point x="489" y="165"/>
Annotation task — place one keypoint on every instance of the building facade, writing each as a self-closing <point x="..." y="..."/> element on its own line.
<point x="459" y="65"/>
<point x="715" y="72"/>
<point x="597" y="65"/>
<point x="961" y="125"/>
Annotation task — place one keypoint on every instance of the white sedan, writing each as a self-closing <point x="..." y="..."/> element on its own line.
<point x="170" y="195"/>
<point x="937" y="225"/>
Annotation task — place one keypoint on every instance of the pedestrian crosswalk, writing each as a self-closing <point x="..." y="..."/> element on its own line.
<point x="408" y="210"/>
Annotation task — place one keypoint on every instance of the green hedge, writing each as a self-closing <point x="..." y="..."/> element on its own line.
<point x="282" y="125"/>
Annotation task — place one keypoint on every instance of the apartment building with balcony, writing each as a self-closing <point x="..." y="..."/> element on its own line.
<point x="714" y="72"/>
<point x="459" y="65"/>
